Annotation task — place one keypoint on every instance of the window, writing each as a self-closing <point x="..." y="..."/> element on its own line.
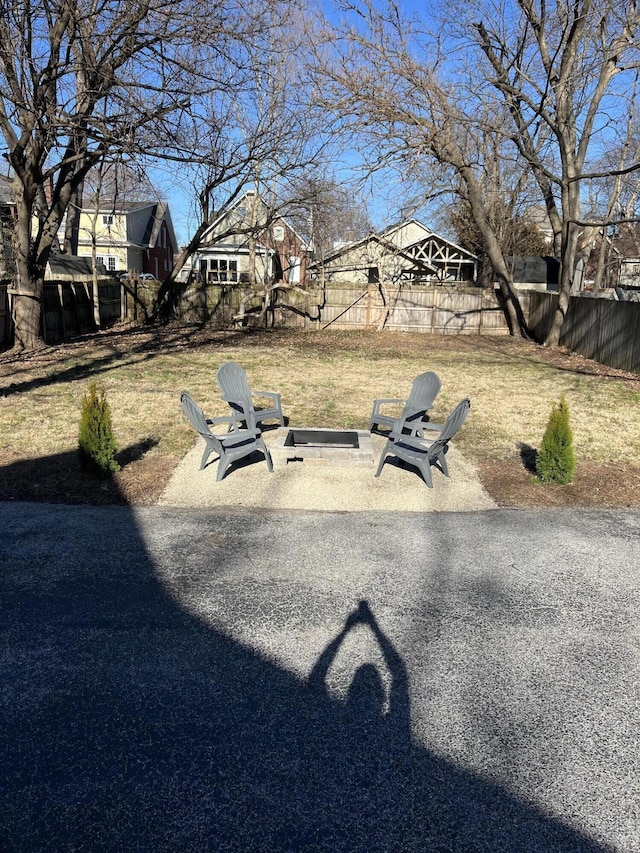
<point x="222" y="270"/>
<point x="373" y="275"/>
<point x="278" y="233"/>
<point x="110" y="261"/>
<point x="107" y="219"/>
<point x="293" y="275"/>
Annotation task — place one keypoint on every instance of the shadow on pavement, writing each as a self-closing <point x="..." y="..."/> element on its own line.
<point x="128" y="724"/>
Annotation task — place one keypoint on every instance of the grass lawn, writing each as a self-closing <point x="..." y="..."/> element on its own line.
<point x="326" y="379"/>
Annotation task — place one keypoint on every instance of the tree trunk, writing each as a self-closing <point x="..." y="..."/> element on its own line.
<point x="512" y="308"/>
<point x="27" y="297"/>
<point x="26" y="315"/>
<point x="170" y="291"/>
<point x="598" y="278"/>
<point x="72" y="224"/>
<point x="567" y="268"/>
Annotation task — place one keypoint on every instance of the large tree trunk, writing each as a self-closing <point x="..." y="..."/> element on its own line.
<point x="567" y="269"/>
<point x="27" y="297"/>
<point x="27" y="308"/>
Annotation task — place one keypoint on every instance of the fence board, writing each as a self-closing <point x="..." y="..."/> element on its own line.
<point x="602" y="329"/>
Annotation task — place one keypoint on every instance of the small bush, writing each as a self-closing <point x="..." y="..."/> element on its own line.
<point x="96" y="442"/>
<point x="556" y="460"/>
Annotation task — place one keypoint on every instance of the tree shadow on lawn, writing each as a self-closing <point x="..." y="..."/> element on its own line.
<point x="130" y="724"/>
<point x="136" y="345"/>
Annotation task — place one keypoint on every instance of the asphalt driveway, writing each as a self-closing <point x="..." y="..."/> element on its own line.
<point x="210" y="679"/>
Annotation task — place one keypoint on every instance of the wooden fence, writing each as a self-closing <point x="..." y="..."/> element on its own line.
<point x="414" y="308"/>
<point x="399" y="307"/>
<point x="604" y="330"/>
<point x="67" y="309"/>
<point x="601" y="329"/>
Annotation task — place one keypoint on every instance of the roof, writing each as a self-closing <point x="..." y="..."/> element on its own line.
<point x="72" y="267"/>
<point x="241" y="223"/>
<point x="115" y="206"/>
<point x="392" y="248"/>
<point x="429" y="233"/>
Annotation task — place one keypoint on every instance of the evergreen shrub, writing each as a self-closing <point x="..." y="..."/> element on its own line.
<point x="96" y="442"/>
<point x="556" y="462"/>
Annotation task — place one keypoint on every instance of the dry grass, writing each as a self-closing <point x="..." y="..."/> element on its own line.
<point x="326" y="379"/>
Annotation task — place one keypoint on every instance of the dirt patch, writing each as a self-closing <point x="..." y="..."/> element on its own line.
<point x="510" y="484"/>
<point x="61" y="479"/>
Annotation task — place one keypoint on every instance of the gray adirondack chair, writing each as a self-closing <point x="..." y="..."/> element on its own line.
<point x="230" y="446"/>
<point x="422" y="453"/>
<point x="423" y="392"/>
<point x="233" y="383"/>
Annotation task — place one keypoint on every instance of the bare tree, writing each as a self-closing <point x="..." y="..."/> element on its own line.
<point x="327" y="211"/>
<point x="536" y="83"/>
<point x="381" y="71"/>
<point x="560" y="68"/>
<point x="263" y="132"/>
<point x="79" y="82"/>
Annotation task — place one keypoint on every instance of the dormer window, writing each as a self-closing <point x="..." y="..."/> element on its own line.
<point x="278" y="233"/>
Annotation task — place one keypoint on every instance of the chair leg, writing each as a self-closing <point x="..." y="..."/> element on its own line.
<point x="383" y="456"/>
<point x="443" y="462"/>
<point x="208" y="450"/>
<point x="223" y="464"/>
<point x="425" y="470"/>
<point x="263" y="447"/>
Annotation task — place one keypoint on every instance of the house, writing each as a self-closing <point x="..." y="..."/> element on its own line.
<point x="369" y="261"/>
<point x="247" y="239"/>
<point x="629" y="273"/>
<point x="408" y="251"/>
<point x="136" y="236"/>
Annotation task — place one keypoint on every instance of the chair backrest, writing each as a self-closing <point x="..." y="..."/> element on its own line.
<point x="232" y="380"/>
<point x="194" y="414"/>
<point x="454" y="421"/>
<point x="424" y="391"/>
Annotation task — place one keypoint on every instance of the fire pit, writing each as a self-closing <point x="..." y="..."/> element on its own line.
<point x="322" y="446"/>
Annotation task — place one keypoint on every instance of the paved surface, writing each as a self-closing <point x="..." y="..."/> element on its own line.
<point x="189" y="680"/>
<point x="315" y="485"/>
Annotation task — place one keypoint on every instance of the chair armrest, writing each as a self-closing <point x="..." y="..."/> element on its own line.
<point x="418" y="426"/>
<point x="389" y="400"/>
<point x="234" y="429"/>
<point x="230" y="420"/>
<point x="413" y="440"/>
<point x="224" y="419"/>
<point x="377" y="404"/>
<point x="273" y="394"/>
